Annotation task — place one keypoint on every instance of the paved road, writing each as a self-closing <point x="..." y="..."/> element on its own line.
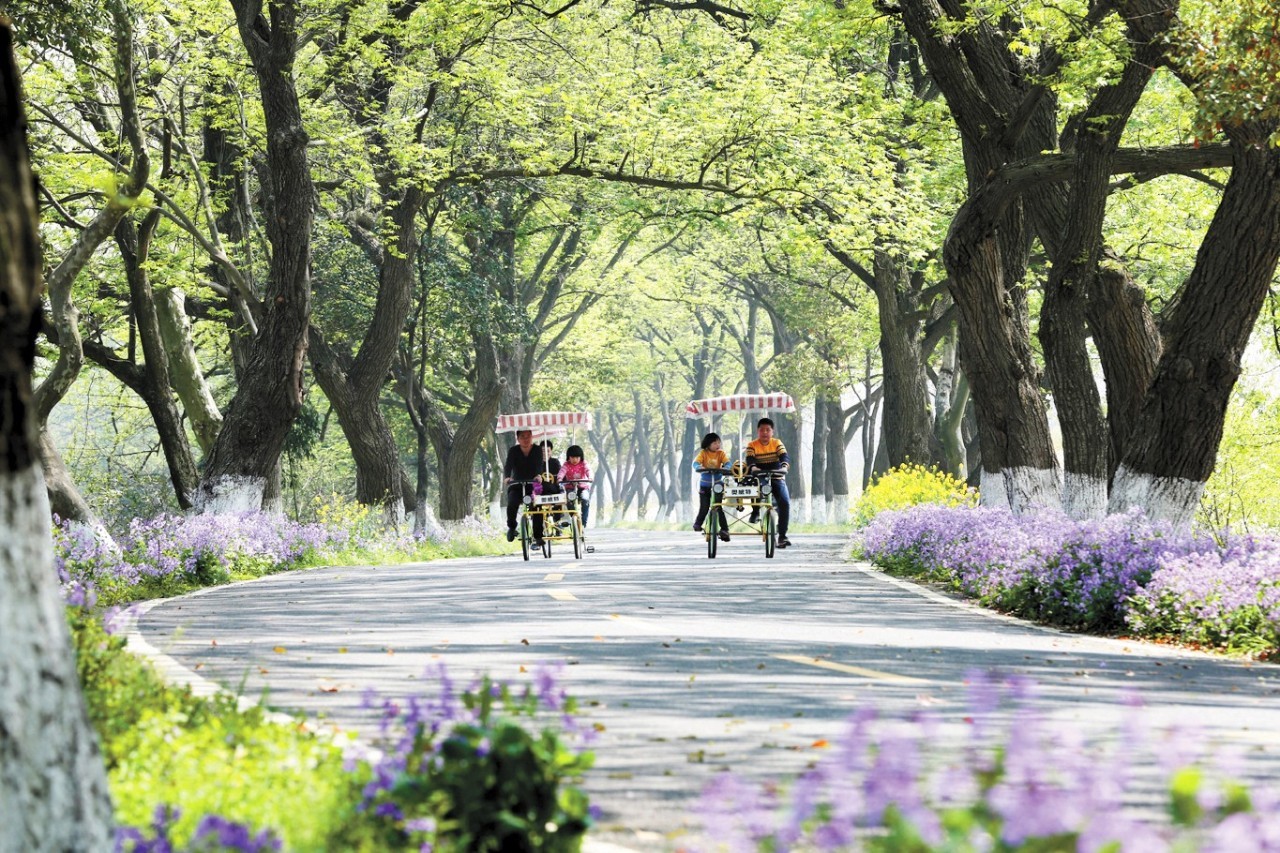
<point x="690" y="665"/>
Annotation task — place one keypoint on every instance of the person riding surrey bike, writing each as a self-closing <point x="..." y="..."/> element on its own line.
<point x="766" y="455"/>
<point x="710" y="458"/>
<point x="577" y="475"/>
<point x="524" y="463"/>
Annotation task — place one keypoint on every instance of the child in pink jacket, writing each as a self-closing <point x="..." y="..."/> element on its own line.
<point x="575" y="468"/>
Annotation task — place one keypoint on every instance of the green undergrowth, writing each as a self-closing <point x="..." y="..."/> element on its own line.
<point x="164" y="746"/>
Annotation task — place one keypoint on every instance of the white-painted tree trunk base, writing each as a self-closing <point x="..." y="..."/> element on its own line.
<point x="1032" y="490"/>
<point x="685" y="511"/>
<point x="1084" y="497"/>
<point x="799" y="510"/>
<point x="991" y="490"/>
<point x="818" y="509"/>
<point x="838" y="511"/>
<point x="1170" y="499"/>
<point x="394" y="515"/>
<point x="431" y="525"/>
<point x="99" y="532"/>
<point x="231" y="495"/>
<point x="53" y="786"/>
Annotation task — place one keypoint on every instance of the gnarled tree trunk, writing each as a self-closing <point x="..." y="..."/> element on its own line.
<point x="186" y="376"/>
<point x="1175" y="441"/>
<point x="53" y="786"/>
<point x="248" y="449"/>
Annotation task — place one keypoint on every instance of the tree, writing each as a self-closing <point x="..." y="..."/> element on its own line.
<point x="248" y="448"/>
<point x="53" y="786"/>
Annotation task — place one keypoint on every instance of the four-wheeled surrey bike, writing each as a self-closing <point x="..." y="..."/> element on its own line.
<point x="556" y="506"/>
<point x="739" y="493"/>
<point x="559" y="514"/>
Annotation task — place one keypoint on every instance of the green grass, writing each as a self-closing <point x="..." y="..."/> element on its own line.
<point x="164" y="746"/>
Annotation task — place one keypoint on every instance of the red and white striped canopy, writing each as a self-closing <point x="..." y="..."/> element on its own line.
<point x="543" y="422"/>
<point x="711" y="406"/>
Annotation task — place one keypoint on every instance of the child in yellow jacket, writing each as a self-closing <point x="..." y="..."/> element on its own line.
<point x="710" y="458"/>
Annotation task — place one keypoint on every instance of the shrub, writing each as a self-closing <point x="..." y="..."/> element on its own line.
<point x="1092" y="575"/>
<point x="911" y="484"/>
<point x="465" y="775"/>
<point x="1048" y="567"/>
<point x="1228" y="597"/>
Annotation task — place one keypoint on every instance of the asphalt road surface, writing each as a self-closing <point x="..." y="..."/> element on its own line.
<point x="688" y="665"/>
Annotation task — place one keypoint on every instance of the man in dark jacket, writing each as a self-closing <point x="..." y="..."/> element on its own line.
<point x="524" y="462"/>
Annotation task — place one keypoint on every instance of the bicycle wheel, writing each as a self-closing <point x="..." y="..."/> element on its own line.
<point x="575" y="522"/>
<point x="770" y="532"/>
<point x="546" y="539"/>
<point x="713" y="532"/>
<point x="525" y="535"/>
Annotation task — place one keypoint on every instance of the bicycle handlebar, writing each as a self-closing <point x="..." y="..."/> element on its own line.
<point x="515" y="483"/>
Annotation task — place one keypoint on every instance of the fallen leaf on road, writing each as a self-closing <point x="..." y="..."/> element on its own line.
<point x="342" y="650"/>
<point x="820" y="743"/>
<point x="262" y="670"/>
<point x="279" y="650"/>
<point x="213" y="642"/>
<point x="522" y="668"/>
<point x="524" y="642"/>
<point x="199" y="666"/>
<point x="598" y="638"/>
<point x="598" y="726"/>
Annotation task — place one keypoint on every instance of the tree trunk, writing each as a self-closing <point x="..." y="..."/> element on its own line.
<point x="951" y="399"/>
<point x="837" y="471"/>
<point x="1085" y="437"/>
<point x="53" y="786"/>
<point x="380" y="476"/>
<point x="270" y="392"/>
<point x="818" y="462"/>
<point x="1175" y="444"/>
<point x="908" y="430"/>
<point x="185" y="373"/>
<point x="870" y="432"/>
<point x="64" y="499"/>
<point x="117" y="206"/>
<point x="133" y="242"/>
<point x="1124" y="331"/>
<point x="1019" y="464"/>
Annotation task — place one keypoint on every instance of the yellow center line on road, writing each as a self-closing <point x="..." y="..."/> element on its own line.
<point x="561" y="595"/>
<point x="850" y="670"/>
<point x="554" y="576"/>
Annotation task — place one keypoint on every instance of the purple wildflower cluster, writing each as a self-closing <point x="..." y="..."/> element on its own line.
<point x="1083" y="574"/>
<point x="430" y="742"/>
<point x="195" y="549"/>
<point x="1227" y="596"/>
<point x="1017" y="783"/>
<point x="214" y="834"/>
